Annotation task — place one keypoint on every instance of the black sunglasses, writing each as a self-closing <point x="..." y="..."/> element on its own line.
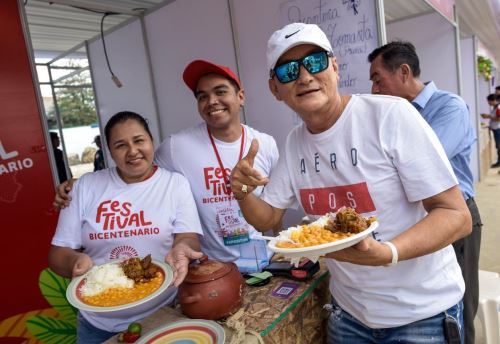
<point x="313" y="63"/>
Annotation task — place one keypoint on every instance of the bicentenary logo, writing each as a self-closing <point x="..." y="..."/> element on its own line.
<point x="214" y="182"/>
<point x="10" y="161"/>
<point x="113" y="214"/>
<point x="118" y="220"/>
<point x="10" y="165"/>
<point x="123" y="252"/>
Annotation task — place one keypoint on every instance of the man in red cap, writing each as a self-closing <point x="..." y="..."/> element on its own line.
<point x="206" y="153"/>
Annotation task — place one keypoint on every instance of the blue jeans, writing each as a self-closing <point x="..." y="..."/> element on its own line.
<point x="86" y="333"/>
<point x="496" y="136"/>
<point x="345" y="329"/>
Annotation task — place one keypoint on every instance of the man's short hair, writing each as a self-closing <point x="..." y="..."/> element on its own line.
<point x="53" y="135"/>
<point x="396" y="53"/>
<point x="493" y="97"/>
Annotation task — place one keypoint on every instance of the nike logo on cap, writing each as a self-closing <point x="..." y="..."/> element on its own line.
<point x="290" y="35"/>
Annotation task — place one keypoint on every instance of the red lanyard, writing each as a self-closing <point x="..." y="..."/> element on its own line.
<point x="224" y="173"/>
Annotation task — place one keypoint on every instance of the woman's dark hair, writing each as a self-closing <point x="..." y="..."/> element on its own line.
<point x="394" y="54"/>
<point x="124" y="116"/>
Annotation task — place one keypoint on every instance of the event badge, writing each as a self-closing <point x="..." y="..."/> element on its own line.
<point x="233" y="227"/>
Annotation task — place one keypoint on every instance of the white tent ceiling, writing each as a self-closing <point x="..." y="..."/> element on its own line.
<point x="58" y="25"/>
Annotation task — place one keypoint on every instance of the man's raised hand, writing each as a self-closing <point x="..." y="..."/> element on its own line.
<point x="244" y="178"/>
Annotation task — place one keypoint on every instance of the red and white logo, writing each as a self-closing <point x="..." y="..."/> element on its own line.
<point x="319" y="201"/>
<point x="214" y="180"/>
<point x="123" y="252"/>
<point x="8" y="162"/>
<point x="116" y="215"/>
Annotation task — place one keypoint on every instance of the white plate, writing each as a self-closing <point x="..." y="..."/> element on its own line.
<point x="74" y="296"/>
<point x="194" y="331"/>
<point x="314" y="252"/>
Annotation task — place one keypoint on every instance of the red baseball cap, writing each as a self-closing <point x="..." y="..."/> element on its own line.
<point x="199" y="68"/>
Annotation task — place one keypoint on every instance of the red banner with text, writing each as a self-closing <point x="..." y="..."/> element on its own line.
<point x="26" y="184"/>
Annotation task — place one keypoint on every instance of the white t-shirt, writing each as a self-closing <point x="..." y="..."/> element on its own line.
<point x="495" y="118"/>
<point x="382" y="159"/>
<point x="190" y="153"/>
<point x="110" y="219"/>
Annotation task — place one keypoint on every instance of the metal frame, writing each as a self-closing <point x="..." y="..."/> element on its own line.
<point x="96" y="103"/>
<point x="381" y="29"/>
<point x="236" y="49"/>
<point x="452" y="22"/>
<point x="38" y="95"/>
<point x="95" y="7"/>
<point x="458" y="52"/>
<point x="476" y="94"/>
<point x="53" y="86"/>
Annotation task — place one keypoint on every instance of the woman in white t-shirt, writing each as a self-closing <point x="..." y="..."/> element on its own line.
<point x="131" y="210"/>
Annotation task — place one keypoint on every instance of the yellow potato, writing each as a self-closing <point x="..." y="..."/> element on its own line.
<point x="121" y="296"/>
<point x="309" y="235"/>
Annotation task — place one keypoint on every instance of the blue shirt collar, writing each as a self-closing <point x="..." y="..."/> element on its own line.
<point x="423" y="97"/>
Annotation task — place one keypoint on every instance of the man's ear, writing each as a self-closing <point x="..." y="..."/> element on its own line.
<point x="335" y="65"/>
<point x="406" y="72"/>
<point x="273" y="87"/>
<point x="241" y="97"/>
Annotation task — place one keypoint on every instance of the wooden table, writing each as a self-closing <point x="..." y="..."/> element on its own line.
<point x="265" y="318"/>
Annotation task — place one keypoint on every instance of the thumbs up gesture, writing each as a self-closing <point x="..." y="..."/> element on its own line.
<point x="244" y="178"/>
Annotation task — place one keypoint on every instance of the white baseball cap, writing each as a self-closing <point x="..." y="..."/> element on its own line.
<point x="292" y="35"/>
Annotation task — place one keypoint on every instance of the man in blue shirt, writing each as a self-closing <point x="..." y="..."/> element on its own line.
<point x="395" y="71"/>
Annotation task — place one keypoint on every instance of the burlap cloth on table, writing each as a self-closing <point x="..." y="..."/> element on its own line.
<point x="264" y="318"/>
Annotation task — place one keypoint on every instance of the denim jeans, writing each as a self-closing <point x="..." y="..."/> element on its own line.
<point x="496" y="136"/>
<point x="86" y="333"/>
<point x="345" y="329"/>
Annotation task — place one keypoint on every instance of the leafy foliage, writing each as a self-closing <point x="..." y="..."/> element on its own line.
<point x="485" y="66"/>
<point x="75" y="100"/>
<point x="49" y="329"/>
<point x="53" y="288"/>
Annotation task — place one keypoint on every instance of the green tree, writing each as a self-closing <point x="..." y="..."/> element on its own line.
<point x="76" y="102"/>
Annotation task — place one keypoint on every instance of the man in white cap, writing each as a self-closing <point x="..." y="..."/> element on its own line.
<point x="205" y="155"/>
<point x="375" y="154"/>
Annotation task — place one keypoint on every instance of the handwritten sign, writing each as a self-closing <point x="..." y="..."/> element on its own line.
<point x="351" y="27"/>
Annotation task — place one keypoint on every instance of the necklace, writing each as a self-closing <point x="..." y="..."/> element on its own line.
<point x="221" y="165"/>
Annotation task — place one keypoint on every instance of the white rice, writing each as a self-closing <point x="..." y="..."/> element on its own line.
<point x="103" y="277"/>
<point x="321" y="222"/>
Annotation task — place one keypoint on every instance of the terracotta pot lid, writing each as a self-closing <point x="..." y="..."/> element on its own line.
<point x="206" y="270"/>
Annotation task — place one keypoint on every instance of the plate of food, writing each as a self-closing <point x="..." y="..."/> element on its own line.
<point x="194" y="331"/>
<point x="120" y="285"/>
<point x="331" y="232"/>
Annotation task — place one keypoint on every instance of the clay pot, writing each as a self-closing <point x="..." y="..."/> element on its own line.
<point x="211" y="290"/>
